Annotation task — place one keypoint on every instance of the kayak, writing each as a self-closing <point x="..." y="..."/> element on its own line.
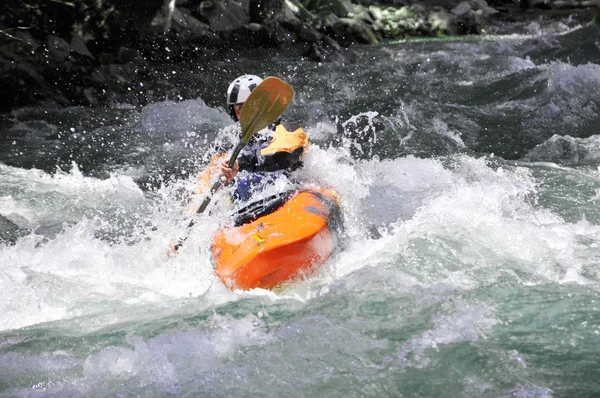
<point x="277" y="240"/>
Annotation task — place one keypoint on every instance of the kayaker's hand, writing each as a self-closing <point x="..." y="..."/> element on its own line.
<point x="172" y="248"/>
<point x="229" y="173"/>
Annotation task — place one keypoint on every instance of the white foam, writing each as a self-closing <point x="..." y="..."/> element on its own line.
<point x="459" y="221"/>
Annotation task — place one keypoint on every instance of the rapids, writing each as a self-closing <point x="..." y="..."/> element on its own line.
<point x="467" y="268"/>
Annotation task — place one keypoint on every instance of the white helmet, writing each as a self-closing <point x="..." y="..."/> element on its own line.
<point x="239" y="90"/>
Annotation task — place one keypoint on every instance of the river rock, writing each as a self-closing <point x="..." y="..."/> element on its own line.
<point x="288" y="13"/>
<point x="307" y="33"/>
<point x="263" y="11"/>
<point x="359" y="31"/>
<point x="328" y="50"/>
<point x="281" y="35"/>
<point x="78" y="46"/>
<point x="567" y="149"/>
<point x="58" y="49"/>
<point x="187" y="25"/>
<point x="462" y="9"/>
<point x="362" y="14"/>
<point x="299" y="11"/>
<point x="9" y="231"/>
<point x="442" y="22"/>
<point x="223" y="15"/>
<point x="541" y="4"/>
<point x="484" y="7"/>
<point x="341" y="8"/>
<point x="127" y="54"/>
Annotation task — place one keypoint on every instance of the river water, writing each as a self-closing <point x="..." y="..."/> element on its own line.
<point x="470" y="264"/>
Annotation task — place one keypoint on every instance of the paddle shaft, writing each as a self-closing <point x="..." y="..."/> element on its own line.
<point x="264" y="105"/>
<point x="215" y="187"/>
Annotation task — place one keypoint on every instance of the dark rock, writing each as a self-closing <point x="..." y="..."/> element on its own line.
<point x="341" y="8"/>
<point x="281" y="35"/>
<point x="92" y="96"/>
<point x="299" y="11"/>
<point x="308" y="33"/>
<point x="78" y="46"/>
<point x="262" y="11"/>
<point x="463" y="8"/>
<point x="364" y="34"/>
<point x="187" y="26"/>
<point x="58" y="49"/>
<point x="9" y="231"/>
<point x="106" y="58"/>
<point x="362" y="14"/>
<point x="566" y="149"/>
<point x="251" y="35"/>
<point x="255" y="27"/>
<point x="326" y="21"/>
<point x="32" y="74"/>
<point x="360" y="32"/>
<point x="443" y="22"/>
<point x="127" y="54"/>
<point x="224" y="15"/>
<point x="328" y="50"/>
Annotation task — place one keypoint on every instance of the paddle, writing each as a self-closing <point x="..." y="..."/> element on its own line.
<point x="264" y="105"/>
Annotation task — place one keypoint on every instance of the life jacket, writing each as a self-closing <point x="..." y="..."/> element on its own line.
<point x="269" y="157"/>
<point x="264" y="159"/>
<point x="287" y="141"/>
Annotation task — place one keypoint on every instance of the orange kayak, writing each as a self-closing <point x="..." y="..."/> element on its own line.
<point x="292" y="241"/>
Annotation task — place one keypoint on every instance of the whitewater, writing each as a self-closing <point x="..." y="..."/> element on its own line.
<point x="469" y="264"/>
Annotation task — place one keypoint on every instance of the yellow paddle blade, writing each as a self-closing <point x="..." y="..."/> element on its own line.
<point x="264" y="105"/>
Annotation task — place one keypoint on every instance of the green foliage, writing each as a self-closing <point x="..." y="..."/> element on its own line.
<point x="113" y="21"/>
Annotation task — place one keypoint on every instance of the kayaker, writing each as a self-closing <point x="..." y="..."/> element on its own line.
<point x="268" y="158"/>
<point x="270" y="154"/>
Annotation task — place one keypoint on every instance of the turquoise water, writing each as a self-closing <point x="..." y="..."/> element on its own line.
<point x="461" y="273"/>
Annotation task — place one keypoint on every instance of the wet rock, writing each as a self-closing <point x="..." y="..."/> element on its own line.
<point x="328" y="50"/>
<point x="362" y="14"/>
<point x="341" y="8"/>
<point x="567" y="149"/>
<point x="361" y="31"/>
<point x="127" y="54"/>
<point x="255" y="27"/>
<point x="187" y="26"/>
<point x="281" y="35"/>
<point x="348" y="31"/>
<point x="91" y="96"/>
<point x="58" y="49"/>
<point x="32" y="74"/>
<point x="471" y="16"/>
<point x="462" y="9"/>
<point x="443" y="22"/>
<point x="263" y="11"/>
<point x="224" y="15"/>
<point x="9" y="231"/>
<point x="307" y="33"/>
<point x="78" y="46"/>
<point x="297" y="11"/>
<point x="251" y="35"/>
<point x="23" y="85"/>
<point x="484" y="7"/>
